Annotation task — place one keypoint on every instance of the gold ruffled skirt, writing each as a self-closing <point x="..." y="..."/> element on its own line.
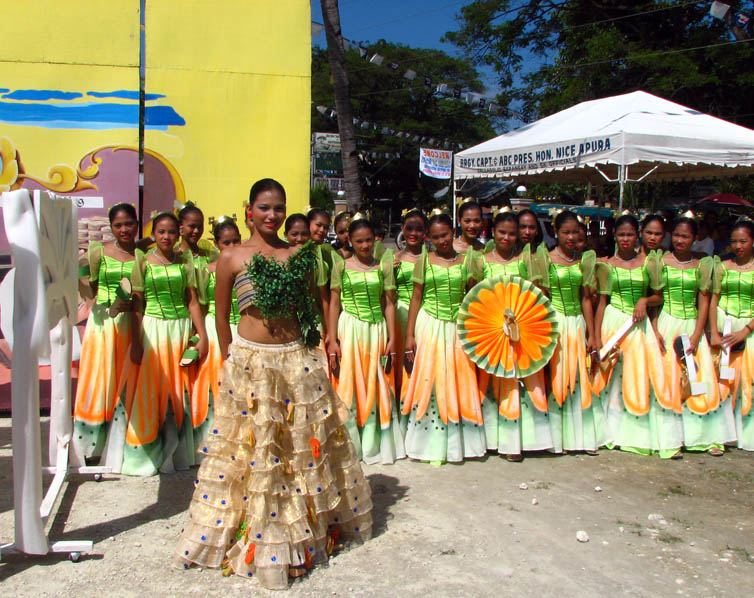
<point x="279" y="485"/>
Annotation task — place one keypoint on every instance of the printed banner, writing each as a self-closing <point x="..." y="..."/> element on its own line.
<point x="435" y="163"/>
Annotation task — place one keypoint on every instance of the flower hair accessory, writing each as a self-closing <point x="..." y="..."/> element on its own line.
<point x="155" y="213"/>
<point x="466" y="200"/>
<point x="437" y="212"/>
<point x="553" y="213"/>
<point x="359" y="216"/>
<point x="689" y="214"/>
<point x="500" y="210"/>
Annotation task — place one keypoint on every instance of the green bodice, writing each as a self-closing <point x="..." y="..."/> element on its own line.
<point x="165" y="291"/>
<point x="737" y="293"/>
<point x="444" y="289"/>
<point x="111" y="271"/>
<point x="361" y="293"/>
<point x="680" y="292"/>
<point x="235" y="315"/>
<point x="628" y="286"/>
<point x="514" y="268"/>
<point x="403" y="282"/>
<point x="565" y="288"/>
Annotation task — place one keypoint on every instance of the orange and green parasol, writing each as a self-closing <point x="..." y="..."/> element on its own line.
<point x="507" y="327"/>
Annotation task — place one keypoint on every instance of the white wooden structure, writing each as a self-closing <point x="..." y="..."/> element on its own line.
<point x="43" y="239"/>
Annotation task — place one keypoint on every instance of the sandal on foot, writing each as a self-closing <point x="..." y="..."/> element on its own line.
<point x="295" y="572"/>
<point x="677" y="455"/>
<point x="716" y="452"/>
<point x="191" y="354"/>
<point x="517" y="458"/>
<point x="592" y="453"/>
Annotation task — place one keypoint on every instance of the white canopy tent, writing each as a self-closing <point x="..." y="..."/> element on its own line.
<point x="601" y="139"/>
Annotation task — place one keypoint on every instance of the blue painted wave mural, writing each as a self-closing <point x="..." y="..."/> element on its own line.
<point x="43" y="108"/>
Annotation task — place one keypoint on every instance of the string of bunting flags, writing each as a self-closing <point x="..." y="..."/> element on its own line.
<point x="389" y="131"/>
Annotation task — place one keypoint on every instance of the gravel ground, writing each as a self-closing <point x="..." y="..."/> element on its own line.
<point x="483" y="528"/>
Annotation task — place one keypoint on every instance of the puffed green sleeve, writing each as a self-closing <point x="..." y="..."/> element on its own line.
<point x="487" y="269"/>
<point x="94" y="260"/>
<point x="706" y="266"/>
<point x="137" y="274"/>
<point x="718" y="271"/>
<point x="338" y="265"/>
<point x="529" y="271"/>
<point x="187" y="259"/>
<point x="474" y="262"/>
<point x="588" y="261"/>
<point x="602" y="277"/>
<point x="378" y="250"/>
<point x="541" y="266"/>
<point x="419" y="267"/>
<point x="202" y="282"/>
<point x="653" y="264"/>
<point x="388" y="274"/>
<point x="324" y="254"/>
<point x="489" y="247"/>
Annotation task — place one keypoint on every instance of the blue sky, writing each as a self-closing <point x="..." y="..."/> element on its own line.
<point x="416" y="23"/>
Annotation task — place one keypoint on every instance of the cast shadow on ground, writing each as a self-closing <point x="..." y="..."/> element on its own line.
<point x="386" y="492"/>
<point x="173" y="497"/>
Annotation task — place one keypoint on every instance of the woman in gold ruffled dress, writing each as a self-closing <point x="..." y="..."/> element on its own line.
<point x="279" y="484"/>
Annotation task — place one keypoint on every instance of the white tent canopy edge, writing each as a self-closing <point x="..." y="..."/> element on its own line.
<point x="600" y="139"/>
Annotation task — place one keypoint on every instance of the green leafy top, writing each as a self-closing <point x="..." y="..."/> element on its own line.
<point x="281" y="290"/>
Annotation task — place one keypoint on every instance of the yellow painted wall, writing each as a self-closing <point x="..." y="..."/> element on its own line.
<point x="239" y="73"/>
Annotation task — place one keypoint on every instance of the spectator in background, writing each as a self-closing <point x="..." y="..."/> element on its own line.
<point x="669" y="216"/>
<point x="722" y="241"/>
<point x="704" y="244"/>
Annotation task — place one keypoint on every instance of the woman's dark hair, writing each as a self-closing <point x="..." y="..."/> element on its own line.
<point x="221" y="225"/>
<point x="747" y="224"/>
<point x="359" y="224"/>
<point x="162" y="216"/>
<point x="539" y="237"/>
<point x="504" y="217"/>
<point x="380" y="230"/>
<point x="314" y="212"/>
<point x="564" y="217"/>
<point x="122" y="207"/>
<point x="340" y="217"/>
<point x="690" y="222"/>
<point x="469" y="205"/>
<point x="415" y="213"/>
<point x="264" y="185"/>
<point x="582" y="226"/>
<point x="652" y="218"/>
<point x="293" y="219"/>
<point x="627" y="219"/>
<point x="440" y="219"/>
<point x="187" y="210"/>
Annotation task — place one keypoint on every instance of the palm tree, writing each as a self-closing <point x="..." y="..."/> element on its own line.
<point x="337" y="55"/>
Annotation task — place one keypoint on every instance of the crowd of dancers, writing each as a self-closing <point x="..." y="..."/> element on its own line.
<point x="279" y="365"/>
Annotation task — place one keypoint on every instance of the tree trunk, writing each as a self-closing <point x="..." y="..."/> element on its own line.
<point x="337" y="55"/>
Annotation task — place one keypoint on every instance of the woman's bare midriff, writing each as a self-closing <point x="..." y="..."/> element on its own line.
<point x="268" y="332"/>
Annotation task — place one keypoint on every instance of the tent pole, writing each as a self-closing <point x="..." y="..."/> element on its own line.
<point x="454" y="206"/>
<point x="622" y="184"/>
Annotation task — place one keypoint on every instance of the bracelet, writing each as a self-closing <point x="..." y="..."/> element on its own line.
<point x="748" y="327"/>
<point x="331" y="354"/>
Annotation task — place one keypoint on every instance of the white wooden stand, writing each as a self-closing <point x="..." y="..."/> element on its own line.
<point x="43" y="241"/>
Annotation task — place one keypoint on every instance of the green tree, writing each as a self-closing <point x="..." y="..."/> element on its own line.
<point x="553" y="54"/>
<point x="389" y="164"/>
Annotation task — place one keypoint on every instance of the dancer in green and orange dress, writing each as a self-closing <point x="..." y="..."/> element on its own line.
<point x="733" y="298"/>
<point x="105" y="372"/>
<point x="362" y="356"/>
<point x="515" y="411"/>
<point x="707" y="418"/>
<point x="205" y="384"/>
<point x="577" y="419"/>
<point x="470" y="221"/>
<point x="414" y="229"/>
<point x="442" y="401"/>
<point x="319" y="225"/>
<point x="296" y="229"/>
<point x="631" y="381"/>
<point x="160" y="434"/>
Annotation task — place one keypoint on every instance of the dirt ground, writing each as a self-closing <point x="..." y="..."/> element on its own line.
<point x="483" y="528"/>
